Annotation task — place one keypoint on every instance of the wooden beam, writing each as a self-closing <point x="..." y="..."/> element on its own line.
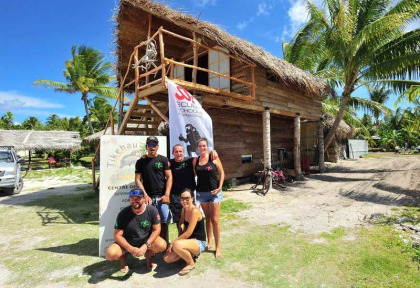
<point x="150" y="91"/>
<point x="162" y="55"/>
<point x="148" y="122"/>
<point x="215" y="49"/>
<point x="211" y="90"/>
<point x="209" y="71"/>
<point x="138" y="129"/>
<point x="133" y="106"/>
<point x="156" y="109"/>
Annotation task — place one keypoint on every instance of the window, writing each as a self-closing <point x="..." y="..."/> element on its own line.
<point x="219" y="62"/>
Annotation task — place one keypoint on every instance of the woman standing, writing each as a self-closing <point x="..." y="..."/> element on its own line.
<point x="192" y="236"/>
<point x="210" y="177"/>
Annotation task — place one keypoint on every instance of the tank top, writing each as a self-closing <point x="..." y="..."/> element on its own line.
<point x="207" y="179"/>
<point x="199" y="232"/>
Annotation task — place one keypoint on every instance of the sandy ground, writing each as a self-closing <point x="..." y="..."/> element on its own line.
<point x="349" y="194"/>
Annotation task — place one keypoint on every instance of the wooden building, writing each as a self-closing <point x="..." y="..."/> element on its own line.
<point x="256" y="101"/>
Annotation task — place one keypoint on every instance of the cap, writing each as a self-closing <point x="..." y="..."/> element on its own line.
<point x="152" y="139"/>
<point x="136" y="192"/>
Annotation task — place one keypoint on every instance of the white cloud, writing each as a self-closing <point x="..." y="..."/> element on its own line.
<point x="242" y="25"/>
<point x="13" y="100"/>
<point x="204" y="3"/>
<point x="263" y="9"/>
<point x="298" y="15"/>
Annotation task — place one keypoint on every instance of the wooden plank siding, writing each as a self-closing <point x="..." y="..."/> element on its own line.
<point x="281" y="97"/>
<point x="239" y="133"/>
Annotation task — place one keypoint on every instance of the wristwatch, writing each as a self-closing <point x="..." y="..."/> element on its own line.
<point x="148" y="244"/>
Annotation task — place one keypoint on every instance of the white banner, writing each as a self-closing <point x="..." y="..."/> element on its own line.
<point x="119" y="154"/>
<point x="188" y="121"/>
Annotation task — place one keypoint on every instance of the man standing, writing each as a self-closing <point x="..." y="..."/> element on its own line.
<point x="136" y="231"/>
<point x="154" y="178"/>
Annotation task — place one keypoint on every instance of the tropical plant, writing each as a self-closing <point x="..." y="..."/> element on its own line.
<point x="86" y="72"/>
<point x="6" y="121"/>
<point x="378" y="94"/>
<point x="53" y="122"/>
<point x="100" y="112"/>
<point x="357" y="42"/>
<point x="32" y="123"/>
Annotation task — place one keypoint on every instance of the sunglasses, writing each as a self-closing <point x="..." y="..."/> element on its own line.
<point x="153" y="144"/>
<point x="137" y="192"/>
<point x="185" y="198"/>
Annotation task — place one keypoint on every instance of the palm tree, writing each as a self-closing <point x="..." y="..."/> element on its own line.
<point x="379" y="94"/>
<point x="100" y="112"/>
<point x="6" y="121"/>
<point x="54" y="122"/>
<point x="356" y="42"/>
<point x="32" y="123"/>
<point x="86" y="72"/>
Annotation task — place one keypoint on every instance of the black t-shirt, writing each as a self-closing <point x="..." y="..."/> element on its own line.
<point x="137" y="228"/>
<point x="153" y="174"/>
<point x="207" y="176"/>
<point x="182" y="175"/>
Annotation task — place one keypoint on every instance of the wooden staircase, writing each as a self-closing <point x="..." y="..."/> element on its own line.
<point x="142" y="120"/>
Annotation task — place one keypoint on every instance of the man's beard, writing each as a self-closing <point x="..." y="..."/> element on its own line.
<point x="136" y="205"/>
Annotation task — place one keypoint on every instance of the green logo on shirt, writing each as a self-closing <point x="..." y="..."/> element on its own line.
<point x="184" y="165"/>
<point x="159" y="165"/>
<point x="144" y="223"/>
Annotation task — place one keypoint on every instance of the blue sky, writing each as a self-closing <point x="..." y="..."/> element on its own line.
<point x="37" y="36"/>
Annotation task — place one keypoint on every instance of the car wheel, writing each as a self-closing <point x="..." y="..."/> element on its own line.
<point x="17" y="189"/>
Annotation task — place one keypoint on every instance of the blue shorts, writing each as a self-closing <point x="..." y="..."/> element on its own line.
<point x="163" y="210"/>
<point x="207" y="197"/>
<point x="202" y="246"/>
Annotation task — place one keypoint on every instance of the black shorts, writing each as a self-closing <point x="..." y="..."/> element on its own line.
<point x="176" y="207"/>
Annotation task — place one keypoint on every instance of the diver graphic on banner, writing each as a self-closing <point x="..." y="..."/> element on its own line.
<point x="192" y="137"/>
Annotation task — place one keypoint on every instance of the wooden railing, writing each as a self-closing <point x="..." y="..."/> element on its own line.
<point x="165" y="66"/>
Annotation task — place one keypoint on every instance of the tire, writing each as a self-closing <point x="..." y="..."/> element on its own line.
<point x="17" y="189"/>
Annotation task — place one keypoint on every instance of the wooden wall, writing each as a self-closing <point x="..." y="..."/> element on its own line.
<point x="240" y="133"/>
<point x="289" y="100"/>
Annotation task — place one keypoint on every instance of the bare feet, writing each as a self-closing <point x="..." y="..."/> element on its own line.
<point x="124" y="270"/>
<point x="208" y="247"/>
<point x="218" y="254"/>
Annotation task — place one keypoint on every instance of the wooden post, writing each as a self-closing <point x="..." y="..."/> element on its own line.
<point x="253" y="82"/>
<point x="321" y="146"/>
<point x="296" y="147"/>
<point x="121" y="103"/>
<point x="195" y="61"/>
<point x="111" y="115"/>
<point x="267" y="140"/>
<point x="162" y="57"/>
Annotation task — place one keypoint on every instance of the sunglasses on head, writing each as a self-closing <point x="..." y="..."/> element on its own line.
<point x="152" y="144"/>
<point x="136" y="192"/>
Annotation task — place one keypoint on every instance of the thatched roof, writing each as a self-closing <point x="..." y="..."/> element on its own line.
<point x="344" y="131"/>
<point x="95" y="137"/>
<point x="40" y="140"/>
<point x="132" y="27"/>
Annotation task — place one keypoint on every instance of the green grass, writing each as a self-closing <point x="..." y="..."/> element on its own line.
<point x="54" y="241"/>
<point x="83" y="175"/>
